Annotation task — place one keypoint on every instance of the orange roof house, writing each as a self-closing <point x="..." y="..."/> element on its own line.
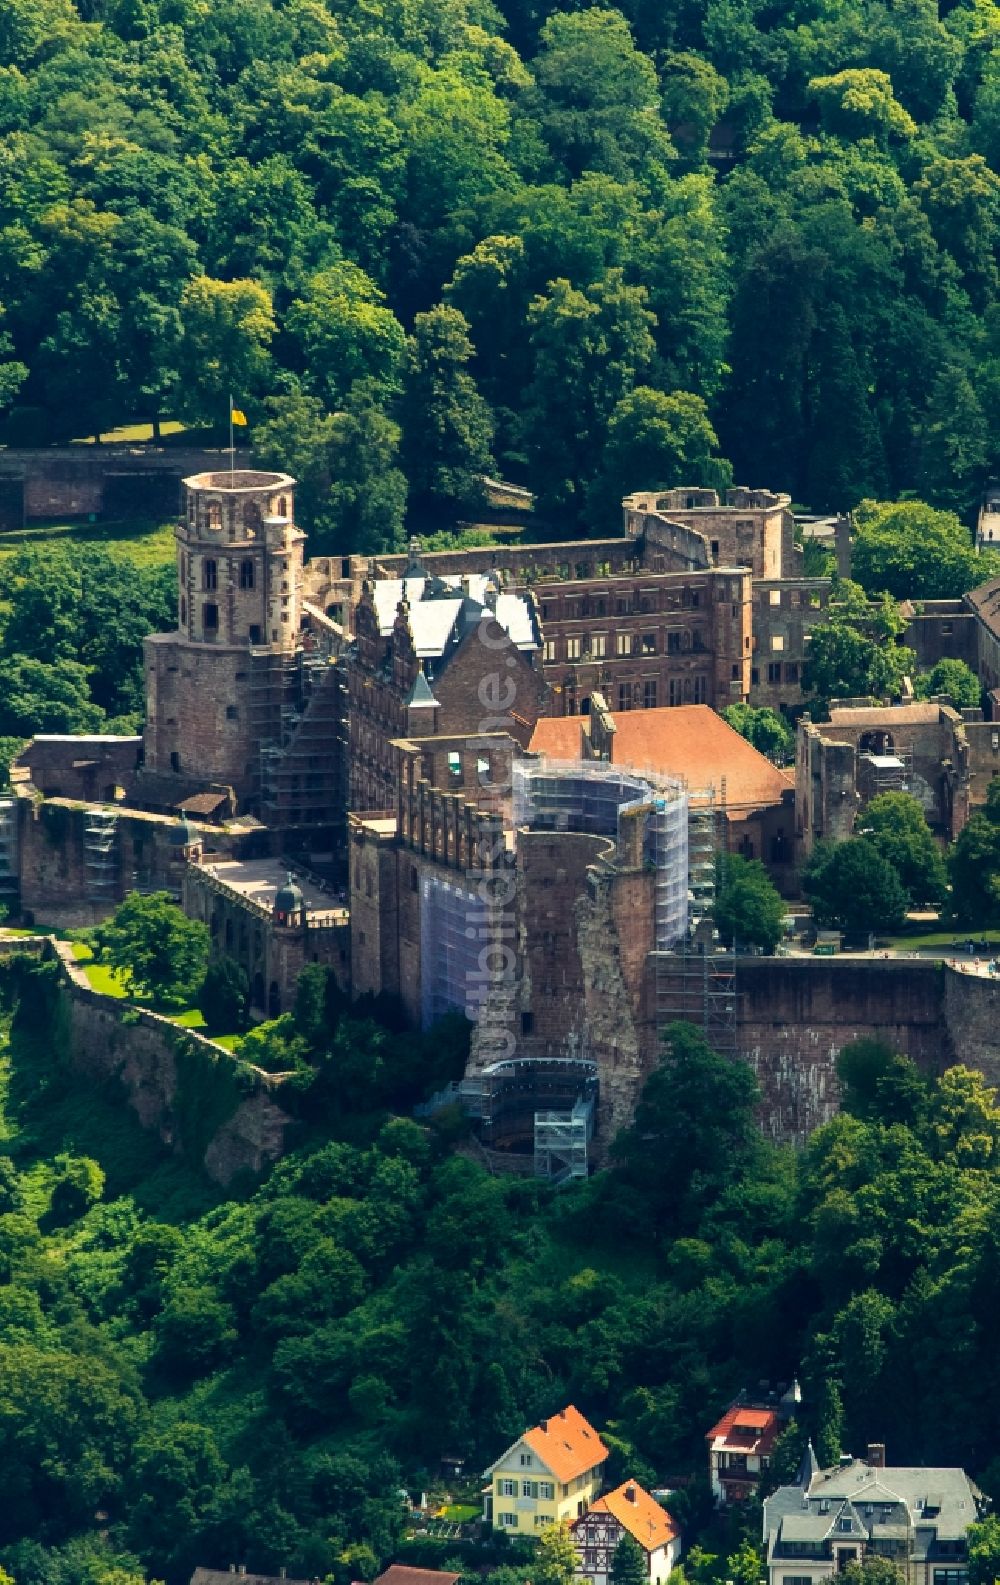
<point x="639" y="1514"/>
<point x="550" y="1475"/>
<point x="567" y="1444"/>
<point x="626" y="1510"/>
<point x="561" y="737"/>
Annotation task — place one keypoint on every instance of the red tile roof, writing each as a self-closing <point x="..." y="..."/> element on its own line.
<point x="639" y="1513"/>
<point x="746" y="1429"/>
<point x="403" y="1574"/>
<point x="689" y="741"/>
<point x="567" y="1444"/>
<point x="559" y="736"/>
<point x="692" y="742"/>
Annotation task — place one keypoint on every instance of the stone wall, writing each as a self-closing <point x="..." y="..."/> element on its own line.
<point x="67" y="879"/>
<point x="85" y="481"/>
<point x="181" y="1086"/>
<point x="941" y="630"/>
<point x="796" y="1014"/>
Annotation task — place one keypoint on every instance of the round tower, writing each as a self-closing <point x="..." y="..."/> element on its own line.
<point x="239" y="560"/>
<point x="217" y="687"/>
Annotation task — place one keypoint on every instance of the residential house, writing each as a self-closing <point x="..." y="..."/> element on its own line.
<point x="239" y="1576"/>
<point x="916" y="1518"/>
<point x="740" y="1444"/>
<point x="403" y="1574"/>
<point x="550" y="1475"/>
<point x="628" y="1510"/>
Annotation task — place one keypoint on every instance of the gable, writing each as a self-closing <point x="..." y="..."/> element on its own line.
<point x="509" y="1463"/>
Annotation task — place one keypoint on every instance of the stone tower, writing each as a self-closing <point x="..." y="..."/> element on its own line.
<point x="212" y="686"/>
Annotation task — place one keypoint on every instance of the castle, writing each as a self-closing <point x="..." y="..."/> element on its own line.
<point x="340" y="764"/>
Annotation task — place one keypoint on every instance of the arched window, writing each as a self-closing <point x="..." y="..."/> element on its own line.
<point x="282" y="506"/>
<point x="246" y="573"/>
<point x="184" y="612"/>
<point x="211" y="574"/>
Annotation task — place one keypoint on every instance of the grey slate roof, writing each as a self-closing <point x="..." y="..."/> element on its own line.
<point x="421" y="696"/>
<point x="854" y="1502"/>
<point x="439" y="609"/>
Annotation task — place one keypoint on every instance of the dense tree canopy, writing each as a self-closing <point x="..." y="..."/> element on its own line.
<point x="909" y="550"/>
<point x="954" y="678"/>
<point x="748" y="910"/>
<point x="154" y="946"/>
<point x="852" y="887"/>
<point x="974" y="864"/>
<point x="845" y="662"/>
<point x="768" y="731"/>
<point x="895" y="825"/>
<point x="72" y="622"/>
<point x="660" y="228"/>
<point x="188" y="1373"/>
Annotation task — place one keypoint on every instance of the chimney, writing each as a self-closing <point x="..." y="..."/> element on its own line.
<point x="876" y="1455"/>
<point x="543" y="1425"/>
<point x="243" y="1568"/>
<point x="232" y="1568"/>
<point x="630" y="1494"/>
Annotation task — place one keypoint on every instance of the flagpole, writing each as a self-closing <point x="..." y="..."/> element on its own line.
<point x="232" y="443"/>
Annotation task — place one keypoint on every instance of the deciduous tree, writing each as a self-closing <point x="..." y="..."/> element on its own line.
<point x="155" y="947"/>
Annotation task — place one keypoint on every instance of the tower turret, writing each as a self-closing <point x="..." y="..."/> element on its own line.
<point x="239" y="560"/>
<point x="289" y="906"/>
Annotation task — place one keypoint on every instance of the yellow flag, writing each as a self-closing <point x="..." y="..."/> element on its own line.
<point x="238" y="417"/>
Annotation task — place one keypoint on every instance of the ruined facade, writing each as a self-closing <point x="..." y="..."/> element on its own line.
<point x="920" y="748"/>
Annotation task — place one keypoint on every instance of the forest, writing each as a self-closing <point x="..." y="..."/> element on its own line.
<point x="586" y="247"/>
<point x="191" y="1377"/>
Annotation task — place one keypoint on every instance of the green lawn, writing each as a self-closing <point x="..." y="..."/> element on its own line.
<point x="149" y="544"/>
<point x="100" y="976"/>
<point x="126" y="432"/>
<point x="941" y="938"/>
<point x="104" y="979"/>
<point x="459" y="1512"/>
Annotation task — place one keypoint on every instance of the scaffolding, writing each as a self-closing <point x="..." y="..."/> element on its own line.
<point x="891" y="771"/>
<point x="545" y="1105"/>
<point x="9" y="885"/>
<point x="504" y="1101"/>
<point x="100" y="855"/>
<point x="697" y="983"/>
<point x="457" y="927"/>
<point x="562" y="1139"/>
<point x="296" y="709"/>
<point x="595" y="798"/>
